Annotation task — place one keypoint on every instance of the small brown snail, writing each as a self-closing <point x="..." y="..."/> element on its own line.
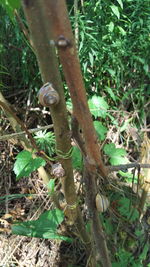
<point x="48" y="95"/>
<point x="57" y="170"/>
<point x="62" y="42"/>
<point x="102" y="203"/>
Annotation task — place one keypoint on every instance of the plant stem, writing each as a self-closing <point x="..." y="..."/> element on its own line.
<point x="36" y="14"/>
<point x="57" y="17"/>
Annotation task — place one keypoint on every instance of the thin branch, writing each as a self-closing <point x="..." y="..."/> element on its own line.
<point x="127" y="166"/>
<point x="17" y="135"/>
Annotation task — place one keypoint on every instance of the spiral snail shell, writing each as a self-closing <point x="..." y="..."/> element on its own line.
<point x="48" y="95"/>
<point x="57" y="170"/>
<point x="102" y="203"/>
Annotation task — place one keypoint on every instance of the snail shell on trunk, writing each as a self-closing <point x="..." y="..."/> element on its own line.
<point x="102" y="203"/>
<point x="48" y="95"/>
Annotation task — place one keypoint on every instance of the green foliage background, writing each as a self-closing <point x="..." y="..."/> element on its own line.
<point x="114" y="45"/>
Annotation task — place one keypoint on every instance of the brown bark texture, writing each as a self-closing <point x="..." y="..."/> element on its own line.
<point x="62" y="37"/>
<point x="50" y="29"/>
<point x="48" y="64"/>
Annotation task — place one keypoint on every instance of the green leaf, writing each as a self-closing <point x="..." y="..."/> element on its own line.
<point x="9" y="6"/>
<point x="115" y="10"/>
<point x="109" y="148"/>
<point x="125" y="257"/>
<point x="112" y="72"/>
<point x="144" y="252"/>
<point x="111" y="26"/>
<point x="122" y="31"/>
<point x="51" y="186"/>
<point x="117" y="155"/>
<point x="46" y="142"/>
<point x="146" y="68"/>
<point x="44" y="227"/>
<point x="101" y="130"/>
<point x="69" y="104"/>
<point x="23" y="158"/>
<point x="15" y="4"/>
<point x="91" y="59"/>
<point x="109" y="227"/>
<point x="98" y="106"/>
<point x="127" y="175"/>
<point x="111" y="93"/>
<point x="127" y="210"/>
<point x="120" y="3"/>
<point x="25" y="164"/>
<point x="77" y="158"/>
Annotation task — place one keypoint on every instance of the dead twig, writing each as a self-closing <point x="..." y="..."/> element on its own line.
<point x="127" y="166"/>
<point x="17" y="135"/>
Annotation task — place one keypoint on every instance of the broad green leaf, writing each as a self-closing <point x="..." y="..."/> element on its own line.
<point x="117" y="155"/>
<point x="127" y="175"/>
<point x="115" y="10"/>
<point x="77" y="158"/>
<point x="122" y="31"/>
<point x="109" y="148"/>
<point x="101" y="130"/>
<point x="25" y="164"/>
<point x="23" y="158"/>
<point x="98" y="106"/>
<point x="44" y="227"/>
<point x="120" y="3"/>
<point x="111" y="26"/>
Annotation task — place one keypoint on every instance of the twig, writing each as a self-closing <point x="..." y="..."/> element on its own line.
<point x="16" y="135"/>
<point x="127" y="166"/>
